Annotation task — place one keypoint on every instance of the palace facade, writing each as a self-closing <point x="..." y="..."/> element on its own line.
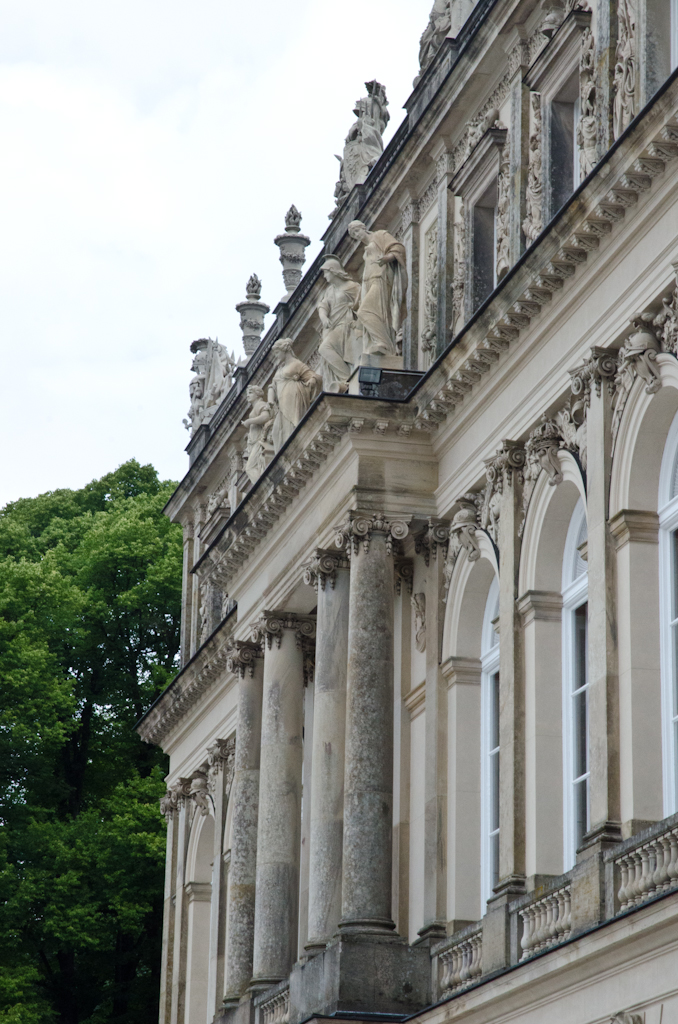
<point x="424" y="739"/>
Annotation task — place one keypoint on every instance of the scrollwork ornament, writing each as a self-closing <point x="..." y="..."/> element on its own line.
<point x="321" y="570"/>
<point x="242" y="657"/>
<point x="404" y="573"/>
<point x="221" y="757"/>
<point x="360" y="527"/>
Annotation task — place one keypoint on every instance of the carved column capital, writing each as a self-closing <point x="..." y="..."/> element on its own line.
<point x="509" y="458"/>
<point x="323" y="569"/>
<point x="600" y="366"/>
<point x="436" y="534"/>
<point x="242" y="655"/>
<point x="361" y="525"/>
<point x="271" y="625"/>
<point x="404" y="573"/>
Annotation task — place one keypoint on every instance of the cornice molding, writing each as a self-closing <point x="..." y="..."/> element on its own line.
<point x="540" y="606"/>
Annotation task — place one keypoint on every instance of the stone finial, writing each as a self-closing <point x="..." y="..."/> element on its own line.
<point x="292" y="219"/>
<point x="292" y="245"/>
<point x="252" y="312"/>
<point x="253" y="288"/>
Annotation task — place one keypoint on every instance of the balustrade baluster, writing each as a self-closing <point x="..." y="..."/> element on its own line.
<point x="645" y="882"/>
<point x="672" y="869"/>
<point x="567" y="913"/>
<point x="660" y="877"/>
<point x="526" y="939"/>
<point x="624" y="864"/>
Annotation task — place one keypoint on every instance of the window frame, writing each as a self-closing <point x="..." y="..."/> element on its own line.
<point x="668" y="578"/>
<point x="575" y="594"/>
<point x="489" y="661"/>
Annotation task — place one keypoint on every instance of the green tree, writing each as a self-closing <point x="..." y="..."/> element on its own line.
<point x="90" y="597"/>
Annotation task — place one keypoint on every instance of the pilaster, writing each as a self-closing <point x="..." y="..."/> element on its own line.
<point x="594" y="381"/>
<point x="410" y="239"/>
<point x="187" y="591"/>
<point x="221" y="761"/>
<point x="444" y="172"/>
<point x="505" y="478"/>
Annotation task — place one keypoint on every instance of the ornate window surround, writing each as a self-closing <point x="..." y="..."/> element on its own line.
<point x="575" y="594"/>
<point x="471" y="182"/>
<point x="489" y="668"/>
<point x="548" y="75"/>
<point x="668" y="524"/>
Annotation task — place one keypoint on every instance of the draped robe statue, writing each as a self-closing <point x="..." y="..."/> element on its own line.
<point x="384" y="287"/>
<point x="293" y="388"/>
<point x="341" y="343"/>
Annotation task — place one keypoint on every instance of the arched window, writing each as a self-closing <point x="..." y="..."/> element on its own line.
<point x="576" y="769"/>
<point x="489" y="746"/>
<point x="668" y="597"/>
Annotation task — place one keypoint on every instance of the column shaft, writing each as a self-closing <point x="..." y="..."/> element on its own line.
<point x="329" y="727"/>
<point x="278" y="839"/>
<point x="243" y="864"/>
<point x="368" y="785"/>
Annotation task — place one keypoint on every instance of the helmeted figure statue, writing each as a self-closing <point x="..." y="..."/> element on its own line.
<point x="293" y="388"/>
<point x="433" y="35"/>
<point x="341" y="344"/>
<point x="384" y="287"/>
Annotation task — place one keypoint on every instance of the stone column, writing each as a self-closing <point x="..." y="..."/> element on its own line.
<point x="595" y="381"/>
<point x="329" y="574"/>
<point x="368" y="777"/>
<point x="246" y="659"/>
<point x="221" y="761"/>
<point x="278" y="836"/>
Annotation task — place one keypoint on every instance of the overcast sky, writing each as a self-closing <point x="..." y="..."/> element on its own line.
<point x="149" y="150"/>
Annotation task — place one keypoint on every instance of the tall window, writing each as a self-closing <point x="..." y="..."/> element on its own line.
<point x="668" y="576"/>
<point x="489" y="699"/>
<point x="576" y="773"/>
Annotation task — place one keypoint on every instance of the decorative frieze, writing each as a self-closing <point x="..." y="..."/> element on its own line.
<point x="587" y="124"/>
<point x="459" y="268"/>
<point x="361" y="525"/>
<point x="503" y="214"/>
<point x="419" y="606"/>
<point x="429" y="332"/>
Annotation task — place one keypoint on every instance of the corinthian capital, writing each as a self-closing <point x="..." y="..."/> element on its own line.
<point x="221" y="757"/>
<point x="271" y="625"/>
<point x="242" y="655"/>
<point x="361" y="525"/>
<point x="323" y="569"/>
<point x="434" y="535"/>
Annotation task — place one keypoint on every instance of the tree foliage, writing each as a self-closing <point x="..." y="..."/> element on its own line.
<point x="90" y="594"/>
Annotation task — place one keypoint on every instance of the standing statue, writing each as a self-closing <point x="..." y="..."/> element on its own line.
<point x="259" y="449"/>
<point x="293" y="388"/>
<point x="384" y="288"/>
<point x="341" y="344"/>
<point x="439" y="22"/>
<point x="195" y="413"/>
<point x="364" y="144"/>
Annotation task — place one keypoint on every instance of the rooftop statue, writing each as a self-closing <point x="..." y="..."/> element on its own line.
<point x="439" y="22"/>
<point x="341" y="343"/>
<point x="292" y="390"/>
<point x="382" y="306"/>
<point x="364" y="144"/>
<point x="213" y="368"/>
<point x="259" y="448"/>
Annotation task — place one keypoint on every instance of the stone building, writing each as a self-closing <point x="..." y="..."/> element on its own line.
<point x="424" y="739"/>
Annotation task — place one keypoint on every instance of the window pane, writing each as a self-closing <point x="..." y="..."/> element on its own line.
<point x="580" y="734"/>
<point x="580" y="647"/>
<point x="494" y="711"/>
<point x="494" y="791"/>
<point x="581" y="810"/>
<point x="494" y="859"/>
<point x="674" y="574"/>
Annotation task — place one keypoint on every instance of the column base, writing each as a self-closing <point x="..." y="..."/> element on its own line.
<point x="360" y="925"/>
<point x="361" y="973"/>
<point x="236" y="1011"/>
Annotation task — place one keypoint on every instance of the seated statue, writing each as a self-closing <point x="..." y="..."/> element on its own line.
<point x="292" y="390"/>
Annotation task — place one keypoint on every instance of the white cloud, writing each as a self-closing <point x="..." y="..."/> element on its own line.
<point x="149" y="153"/>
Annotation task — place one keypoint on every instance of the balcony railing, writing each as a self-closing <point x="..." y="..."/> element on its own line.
<point x="546" y="922"/>
<point x="648" y="870"/>
<point x="461" y="961"/>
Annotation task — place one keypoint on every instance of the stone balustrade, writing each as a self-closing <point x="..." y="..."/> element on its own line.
<point x="461" y="963"/>
<point x="275" y="1008"/>
<point x="648" y="870"/>
<point x="546" y="922"/>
